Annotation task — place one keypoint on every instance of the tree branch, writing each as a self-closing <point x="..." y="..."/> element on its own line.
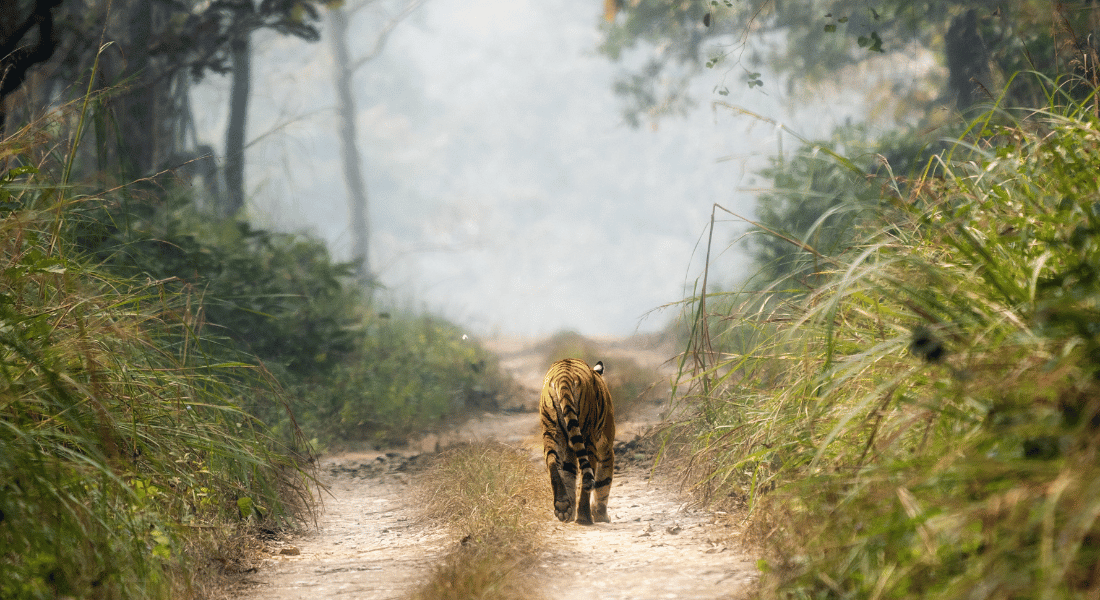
<point x="384" y="35"/>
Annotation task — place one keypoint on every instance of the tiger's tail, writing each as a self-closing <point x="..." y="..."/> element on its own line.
<point x="566" y="400"/>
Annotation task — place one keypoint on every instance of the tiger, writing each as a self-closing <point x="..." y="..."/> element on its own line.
<point x="578" y="431"/>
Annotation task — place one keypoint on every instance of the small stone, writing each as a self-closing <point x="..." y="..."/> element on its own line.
<point x="290" y="551"/>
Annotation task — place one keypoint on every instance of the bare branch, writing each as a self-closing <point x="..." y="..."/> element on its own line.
<point x="384" y="34"/>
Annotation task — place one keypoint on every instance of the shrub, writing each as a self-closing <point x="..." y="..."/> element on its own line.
<point x="121" y="443"/>
<point x="409" y="374"/>
<point x="928" y="415"/>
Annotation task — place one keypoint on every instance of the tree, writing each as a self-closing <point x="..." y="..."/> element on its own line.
<point x="26" y="39"/>
<point x="815" y="199"/>
<point x="344" y="71"/>
<point x="983" y="44"/>
<point x="146" y="53"/>
<point x="290" y="17"/>
<point x="240" y="50"/>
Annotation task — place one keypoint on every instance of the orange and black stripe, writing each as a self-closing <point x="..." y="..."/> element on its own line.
<point x="578" y="423"/>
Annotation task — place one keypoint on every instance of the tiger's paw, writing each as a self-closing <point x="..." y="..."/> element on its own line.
<point x="563" y="510"/>
<point x="584" y="514"/>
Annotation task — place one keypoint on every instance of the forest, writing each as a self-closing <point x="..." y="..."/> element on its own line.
<point x="902" y="399"/>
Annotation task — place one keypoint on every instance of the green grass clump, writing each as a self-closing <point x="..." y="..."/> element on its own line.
<point x="925" y="422"/>
<point x="408" y="374"/>
<point x="125" y="456"/>
<point x="487" y="494"/>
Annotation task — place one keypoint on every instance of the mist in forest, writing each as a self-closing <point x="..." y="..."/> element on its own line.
<point x="507" y="192"/>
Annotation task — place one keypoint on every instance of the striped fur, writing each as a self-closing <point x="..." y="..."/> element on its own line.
<point x="578" y="436"/>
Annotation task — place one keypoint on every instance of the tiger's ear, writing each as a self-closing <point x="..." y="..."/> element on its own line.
<point x="599" y="367"/>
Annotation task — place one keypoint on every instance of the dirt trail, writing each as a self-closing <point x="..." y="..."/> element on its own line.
<point x="370" y="543"/>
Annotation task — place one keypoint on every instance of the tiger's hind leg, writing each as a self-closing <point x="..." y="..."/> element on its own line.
<point x="584" y="506"/>
<point x="605" y="472"/>
<point x="563" y="478"/>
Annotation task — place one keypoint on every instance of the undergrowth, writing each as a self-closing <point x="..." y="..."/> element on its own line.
<point x="353" y="373"/>
<point x="408" y="373"/>
<point x="165" y="376"/>
<point x="923" y="419"/>
<point x="485" y="494"/>
<point x="125" y="453"/>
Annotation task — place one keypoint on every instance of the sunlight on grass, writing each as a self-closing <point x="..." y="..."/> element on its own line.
<point x="921" y="418"/>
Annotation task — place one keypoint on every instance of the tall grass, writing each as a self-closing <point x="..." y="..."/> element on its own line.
<point x="925" y="422"/>
<point x="122" y="444"/>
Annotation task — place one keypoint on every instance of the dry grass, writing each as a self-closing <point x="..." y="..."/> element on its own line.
<point x="488" y="495"/>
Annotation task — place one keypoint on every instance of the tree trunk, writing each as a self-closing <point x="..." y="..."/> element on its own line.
<point x="353" y="175"/>
<point x="241" y="53"/>
<point x="138" y="128"/>
<point x="968" y="74"/>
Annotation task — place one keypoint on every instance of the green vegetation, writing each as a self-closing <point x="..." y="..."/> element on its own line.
<point x="124" y="448"/>
<point x="164" y="372"/>
<point x="921" y="418"/>
<point x="353" y="375"/>
<point x="408" y="374"/>
<point x="486" y="494"/>
<point x="665" y="45"/>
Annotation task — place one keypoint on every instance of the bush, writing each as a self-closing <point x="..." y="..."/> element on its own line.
<point x="277" y="296"/>
<point x="122" y="446"/>
<point x="409" y="374"/>
<point x="352" y="375"/>
<point x="925" y="422"/>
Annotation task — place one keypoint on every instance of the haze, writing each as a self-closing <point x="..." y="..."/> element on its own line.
<point x="506" y="191"/>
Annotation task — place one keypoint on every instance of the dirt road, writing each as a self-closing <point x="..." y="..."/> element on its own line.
<point x="371" y="544"/>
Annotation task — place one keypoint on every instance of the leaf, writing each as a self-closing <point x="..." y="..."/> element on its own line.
<point x="245" y="506"/>
<point x="876" y="42"/>
<point x="162" y="549"/>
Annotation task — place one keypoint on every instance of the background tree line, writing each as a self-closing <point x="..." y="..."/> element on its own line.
<point x="982" y="47"/>
<point x="139" y="59"/>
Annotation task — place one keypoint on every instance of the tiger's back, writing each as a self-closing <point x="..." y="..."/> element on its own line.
<point x="578" y="432"/>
